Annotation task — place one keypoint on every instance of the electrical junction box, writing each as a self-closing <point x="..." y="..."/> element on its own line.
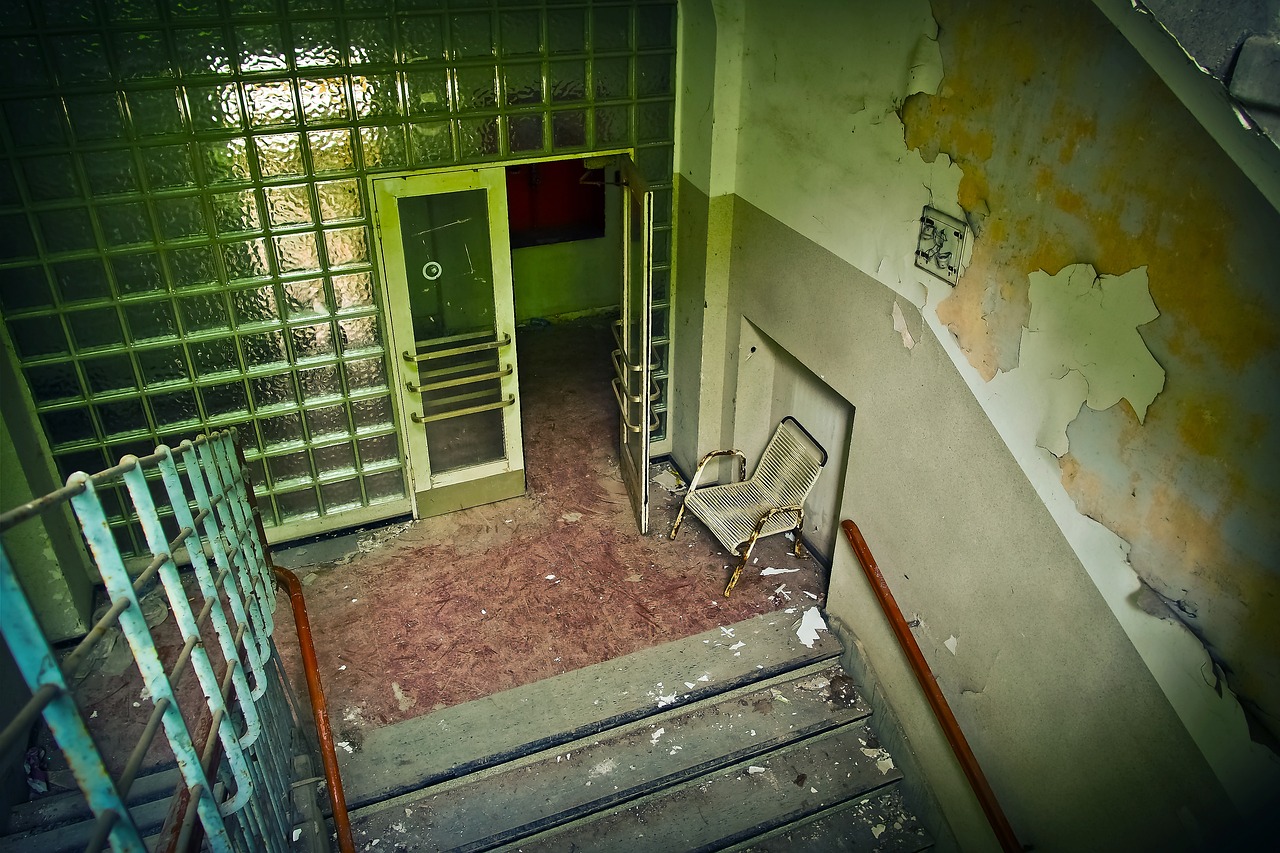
<point x="941" y="245"/>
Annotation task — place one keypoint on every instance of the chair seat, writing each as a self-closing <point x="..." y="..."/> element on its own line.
<point x="731" y="512"/>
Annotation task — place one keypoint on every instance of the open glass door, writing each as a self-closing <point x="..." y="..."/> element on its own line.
<point x="634" y="335"/>
<point x="447" y="279"/>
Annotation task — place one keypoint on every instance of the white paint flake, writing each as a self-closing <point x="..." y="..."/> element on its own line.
<point x="656" y="735"/>
<point x="604" y="768"/>
<point x="737" y="645"/>
<point x="753" y="769"/>
<point x="297" y="833"/>
<point x="878" y="830"/>
<point x="809" y="626"/>
<point x="900" y="326"/>
<point x="950" y="643"/>
<point x="770" y="570"/>
<point x="346" y="745"/>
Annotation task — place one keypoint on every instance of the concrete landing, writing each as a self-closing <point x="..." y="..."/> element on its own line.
<point x="446" y="744"/>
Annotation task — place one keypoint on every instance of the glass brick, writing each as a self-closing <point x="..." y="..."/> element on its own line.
<point x="342" y="495"/>
<point x="346" y="247"/>
<point x="70" y="13"/>
<point x="214" y="108"/>
<point x="68" y="426"/>
<point x="319" y="383"/>
<point x="653" y="122"/>
<point x="35" y="122"/>
<point x="569" y="129"/>
<point x="131" y="10"/>
<point x="150" y="320"/>
<point x="225" y="400"/>
<point x="22" y="63"/>
<point x="359" y="333"/>
<point x="655" y="27"/>
<point x="328" y="421"/>
<point x="380" y="448"/>
<point x="236" y="212"/>
<point x="141" y="55"/>
<point x="255" y="305"/>
<point x="180" y="217"/>
<point x="655" y="75"/>
<point x="296" y="506"/>
<point x="9" y="195"/>
<point x="249" y="8"/>
<point x="82" y="280"/>
<point x="655" y="164"/>
<point x="472" y="35"/>
<point x="297" y="252"/>
<point x="16" y="238"/>
<point x="567" y="30"/>
<point x="137" y="273"/>
<point x="201" y="51"/>
<point x="378" y="95"/>
<point x="373" y="413"/>
<point x="661" y="285"/>
<point x="110" y="374"/>
<point x="289" y="467"/>
<point x="279" y="154"/>
<point x="270" y="104"/>
<point x="568" y="81"/>
<point x="260" y="48"/>
<point x="214" y="357"/>
<point x="331" y="151"/>
<point x="384" y="486"/>
<point x="67" y="230"/>
<point x="246" y="259"/>
<point x="521" y="33"/>
<point x="324" y="100"/>
<point x="96" y="327"/>
<point x="155" y="112"/>
<point x="477" y="88"/>
<point x="192" y="266"/>
<point x="273" y="391"/>
<point x="612" y="78"/>
<point x="282" y="429"/>
<point x="432" y="142"/>
<point x="51" y="178"/>
<point x="24" y="288"/>
<point x="315" y="44"/>
<point x="370" y="41"/>
<point x="289" y="205"/>
<point x="522" y="84"/>
<point x="353" y="291"/>
<point x="162" y="365"/>
<point x="110" y="172"/>
<point x="168" y="166"/>
<point x="524" y="132"/>
<point x="305" y="298"/>
<point x="15" y="15"/>
<point x="53" y="382"/>
<point x="225" y="161"/>
<point x="478" y="138"/>
<point x="176" y="407"/>
<point x="366" y="374"/>
<point x="661" y="206"/>
<point x="95" y="116"/>
<point x="339" y="200"/>
<point x="37" y="336"/>
<point x="383" y="147"/>
<point x="121" y="417"/>
<point x="428" y="91"/>
<point x="264" y="349"/>
<point x="204" y="313"/>
<point x="80" y="58"/>
<point x="422" y="38"/>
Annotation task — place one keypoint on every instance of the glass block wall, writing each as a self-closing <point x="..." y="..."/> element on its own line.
<point x="185" y="239"/>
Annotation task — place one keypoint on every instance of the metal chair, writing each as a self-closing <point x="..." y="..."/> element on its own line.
<point x="770" y="501"/>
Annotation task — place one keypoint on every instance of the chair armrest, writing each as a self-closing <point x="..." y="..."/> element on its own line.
<point x="697" y="475"/>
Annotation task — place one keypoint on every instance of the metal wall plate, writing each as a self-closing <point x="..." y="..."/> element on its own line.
<point x="940" y="246"/>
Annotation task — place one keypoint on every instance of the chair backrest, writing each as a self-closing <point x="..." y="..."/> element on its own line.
<point x="790" y="464"/>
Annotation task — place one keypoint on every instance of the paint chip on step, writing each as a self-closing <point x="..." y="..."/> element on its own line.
<point x="753" y="769"/>
<point x="809" y="626"/>
<point x="770" y="570"/>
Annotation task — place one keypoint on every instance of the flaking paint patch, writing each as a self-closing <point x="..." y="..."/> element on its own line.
<point x="1082" y="346"/>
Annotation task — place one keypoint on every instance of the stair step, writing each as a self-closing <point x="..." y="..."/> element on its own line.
<point x="71" y="807"/>
<point x="882" y="823"/>
<point x="555" y="786"/>
<point x="446" y="744"/>
<point x="735" y="803"/>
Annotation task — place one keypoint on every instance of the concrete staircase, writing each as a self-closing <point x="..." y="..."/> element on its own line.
<point x="740" y="738"/>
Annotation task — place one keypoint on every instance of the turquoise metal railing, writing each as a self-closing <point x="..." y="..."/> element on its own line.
<point x="236" y="782"/>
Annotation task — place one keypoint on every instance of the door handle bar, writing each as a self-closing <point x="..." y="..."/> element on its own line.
<point x="463" y="380"/>
<point x="654" y="421"/>
<point x="446" y="353"/>
<point x="471" y="410"/>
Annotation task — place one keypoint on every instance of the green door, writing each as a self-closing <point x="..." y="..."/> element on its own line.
<point x="446" y="261"/>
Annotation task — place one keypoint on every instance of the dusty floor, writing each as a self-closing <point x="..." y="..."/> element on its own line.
<point x="414" y="617"/>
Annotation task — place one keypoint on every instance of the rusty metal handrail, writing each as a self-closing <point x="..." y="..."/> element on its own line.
<point x="950" y="727"/>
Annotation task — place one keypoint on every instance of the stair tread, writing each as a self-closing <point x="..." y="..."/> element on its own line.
<point x="734" y="803"/>
<point x="408" y="756"/>
<point x="882" y="823"/>
<point x="559" y="785"/>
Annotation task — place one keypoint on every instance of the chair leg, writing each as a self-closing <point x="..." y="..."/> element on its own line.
<point x="679" y="518"/>
<point x="755" y="534"/>
<point x="742" y="564"/>
<point x="799" y="550"/>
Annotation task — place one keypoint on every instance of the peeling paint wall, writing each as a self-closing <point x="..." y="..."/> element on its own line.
<point x="1061" y="166"/>
<point x="1118" y="253"/>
